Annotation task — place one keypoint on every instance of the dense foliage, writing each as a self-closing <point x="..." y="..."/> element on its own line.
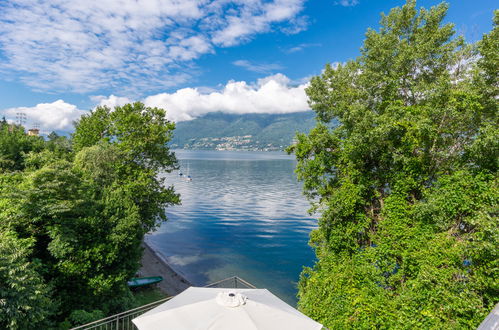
<point x="14" y="143"/>
<point x="74" y="212"/>
<point x="406" y="184"/>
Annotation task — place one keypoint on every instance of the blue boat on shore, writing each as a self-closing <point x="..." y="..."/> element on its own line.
<point x="143" y="281"/>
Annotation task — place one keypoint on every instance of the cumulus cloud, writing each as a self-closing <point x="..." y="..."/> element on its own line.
<point x="135" y="46"/>
<point x="57" y="115"/>
<point x="273" y="94"/>
<point x="111" y="101"/>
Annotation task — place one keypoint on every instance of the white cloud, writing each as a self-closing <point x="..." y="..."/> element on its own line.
<point x="300" y="47"/>
<point x="272" y="94"/>
<point x="347" y="3"/>
<point x="298" y="24"/>
<point x="259" y="68"/>
<point x="111" y="101"/>
<point x="130" y="46"/>
<point x="252" y="17"/>
<point x="57" y="115"/>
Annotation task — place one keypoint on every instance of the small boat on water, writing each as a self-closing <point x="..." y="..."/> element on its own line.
<point x="186" y="177"/>
<point x="143" y="281"/>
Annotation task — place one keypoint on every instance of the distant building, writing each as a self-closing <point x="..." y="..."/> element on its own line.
<point x="33" y="132"/>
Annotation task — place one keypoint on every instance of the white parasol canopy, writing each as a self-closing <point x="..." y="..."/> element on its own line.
<point x="220" y="309"/>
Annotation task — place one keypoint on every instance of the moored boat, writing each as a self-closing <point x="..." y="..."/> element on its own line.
<point x="142" y="281"/>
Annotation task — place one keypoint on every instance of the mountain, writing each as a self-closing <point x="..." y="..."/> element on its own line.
<point x="223" y="131"/>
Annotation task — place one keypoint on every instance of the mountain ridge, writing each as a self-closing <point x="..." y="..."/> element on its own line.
<point x="222" y="131"/>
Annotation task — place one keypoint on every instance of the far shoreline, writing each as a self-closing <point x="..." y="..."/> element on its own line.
<point x="202" y="154"/>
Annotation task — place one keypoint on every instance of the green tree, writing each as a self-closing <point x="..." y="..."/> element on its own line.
<point x="59" y="145"/>
<point x="138" y="136"/>
<point x="24" y="297"/>
<point x="14" y="143"/>
<point x="405" y="185"/>
<point x="121" y="154"/>
<point x="84" y="208"/>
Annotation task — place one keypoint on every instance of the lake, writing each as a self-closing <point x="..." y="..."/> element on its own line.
<point x="242" y="214"/>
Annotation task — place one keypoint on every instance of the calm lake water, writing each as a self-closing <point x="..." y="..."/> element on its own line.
<point x="242" y="214"/>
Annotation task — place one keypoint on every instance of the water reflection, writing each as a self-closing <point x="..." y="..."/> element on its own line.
<point x="243" y="214"/>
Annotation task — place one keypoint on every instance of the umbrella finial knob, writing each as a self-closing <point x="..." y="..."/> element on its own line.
<point x="231" y="299"/>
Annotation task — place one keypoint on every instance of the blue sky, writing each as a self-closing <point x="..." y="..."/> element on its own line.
<point x="59" y="59"/>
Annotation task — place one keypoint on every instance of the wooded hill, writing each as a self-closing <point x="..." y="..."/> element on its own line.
<point x="246" y="132"/>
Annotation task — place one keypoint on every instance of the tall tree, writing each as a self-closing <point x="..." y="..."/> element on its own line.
<point x="84" y="209"/>
<point x="139" y="135"/>
<point x="406" y="200"/>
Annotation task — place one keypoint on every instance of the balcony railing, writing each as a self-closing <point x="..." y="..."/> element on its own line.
<point x="233" y="283"/>
<point x="123" y="321"/>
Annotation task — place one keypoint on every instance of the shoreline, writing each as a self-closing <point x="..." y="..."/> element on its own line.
<point x="154" y="264"/>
